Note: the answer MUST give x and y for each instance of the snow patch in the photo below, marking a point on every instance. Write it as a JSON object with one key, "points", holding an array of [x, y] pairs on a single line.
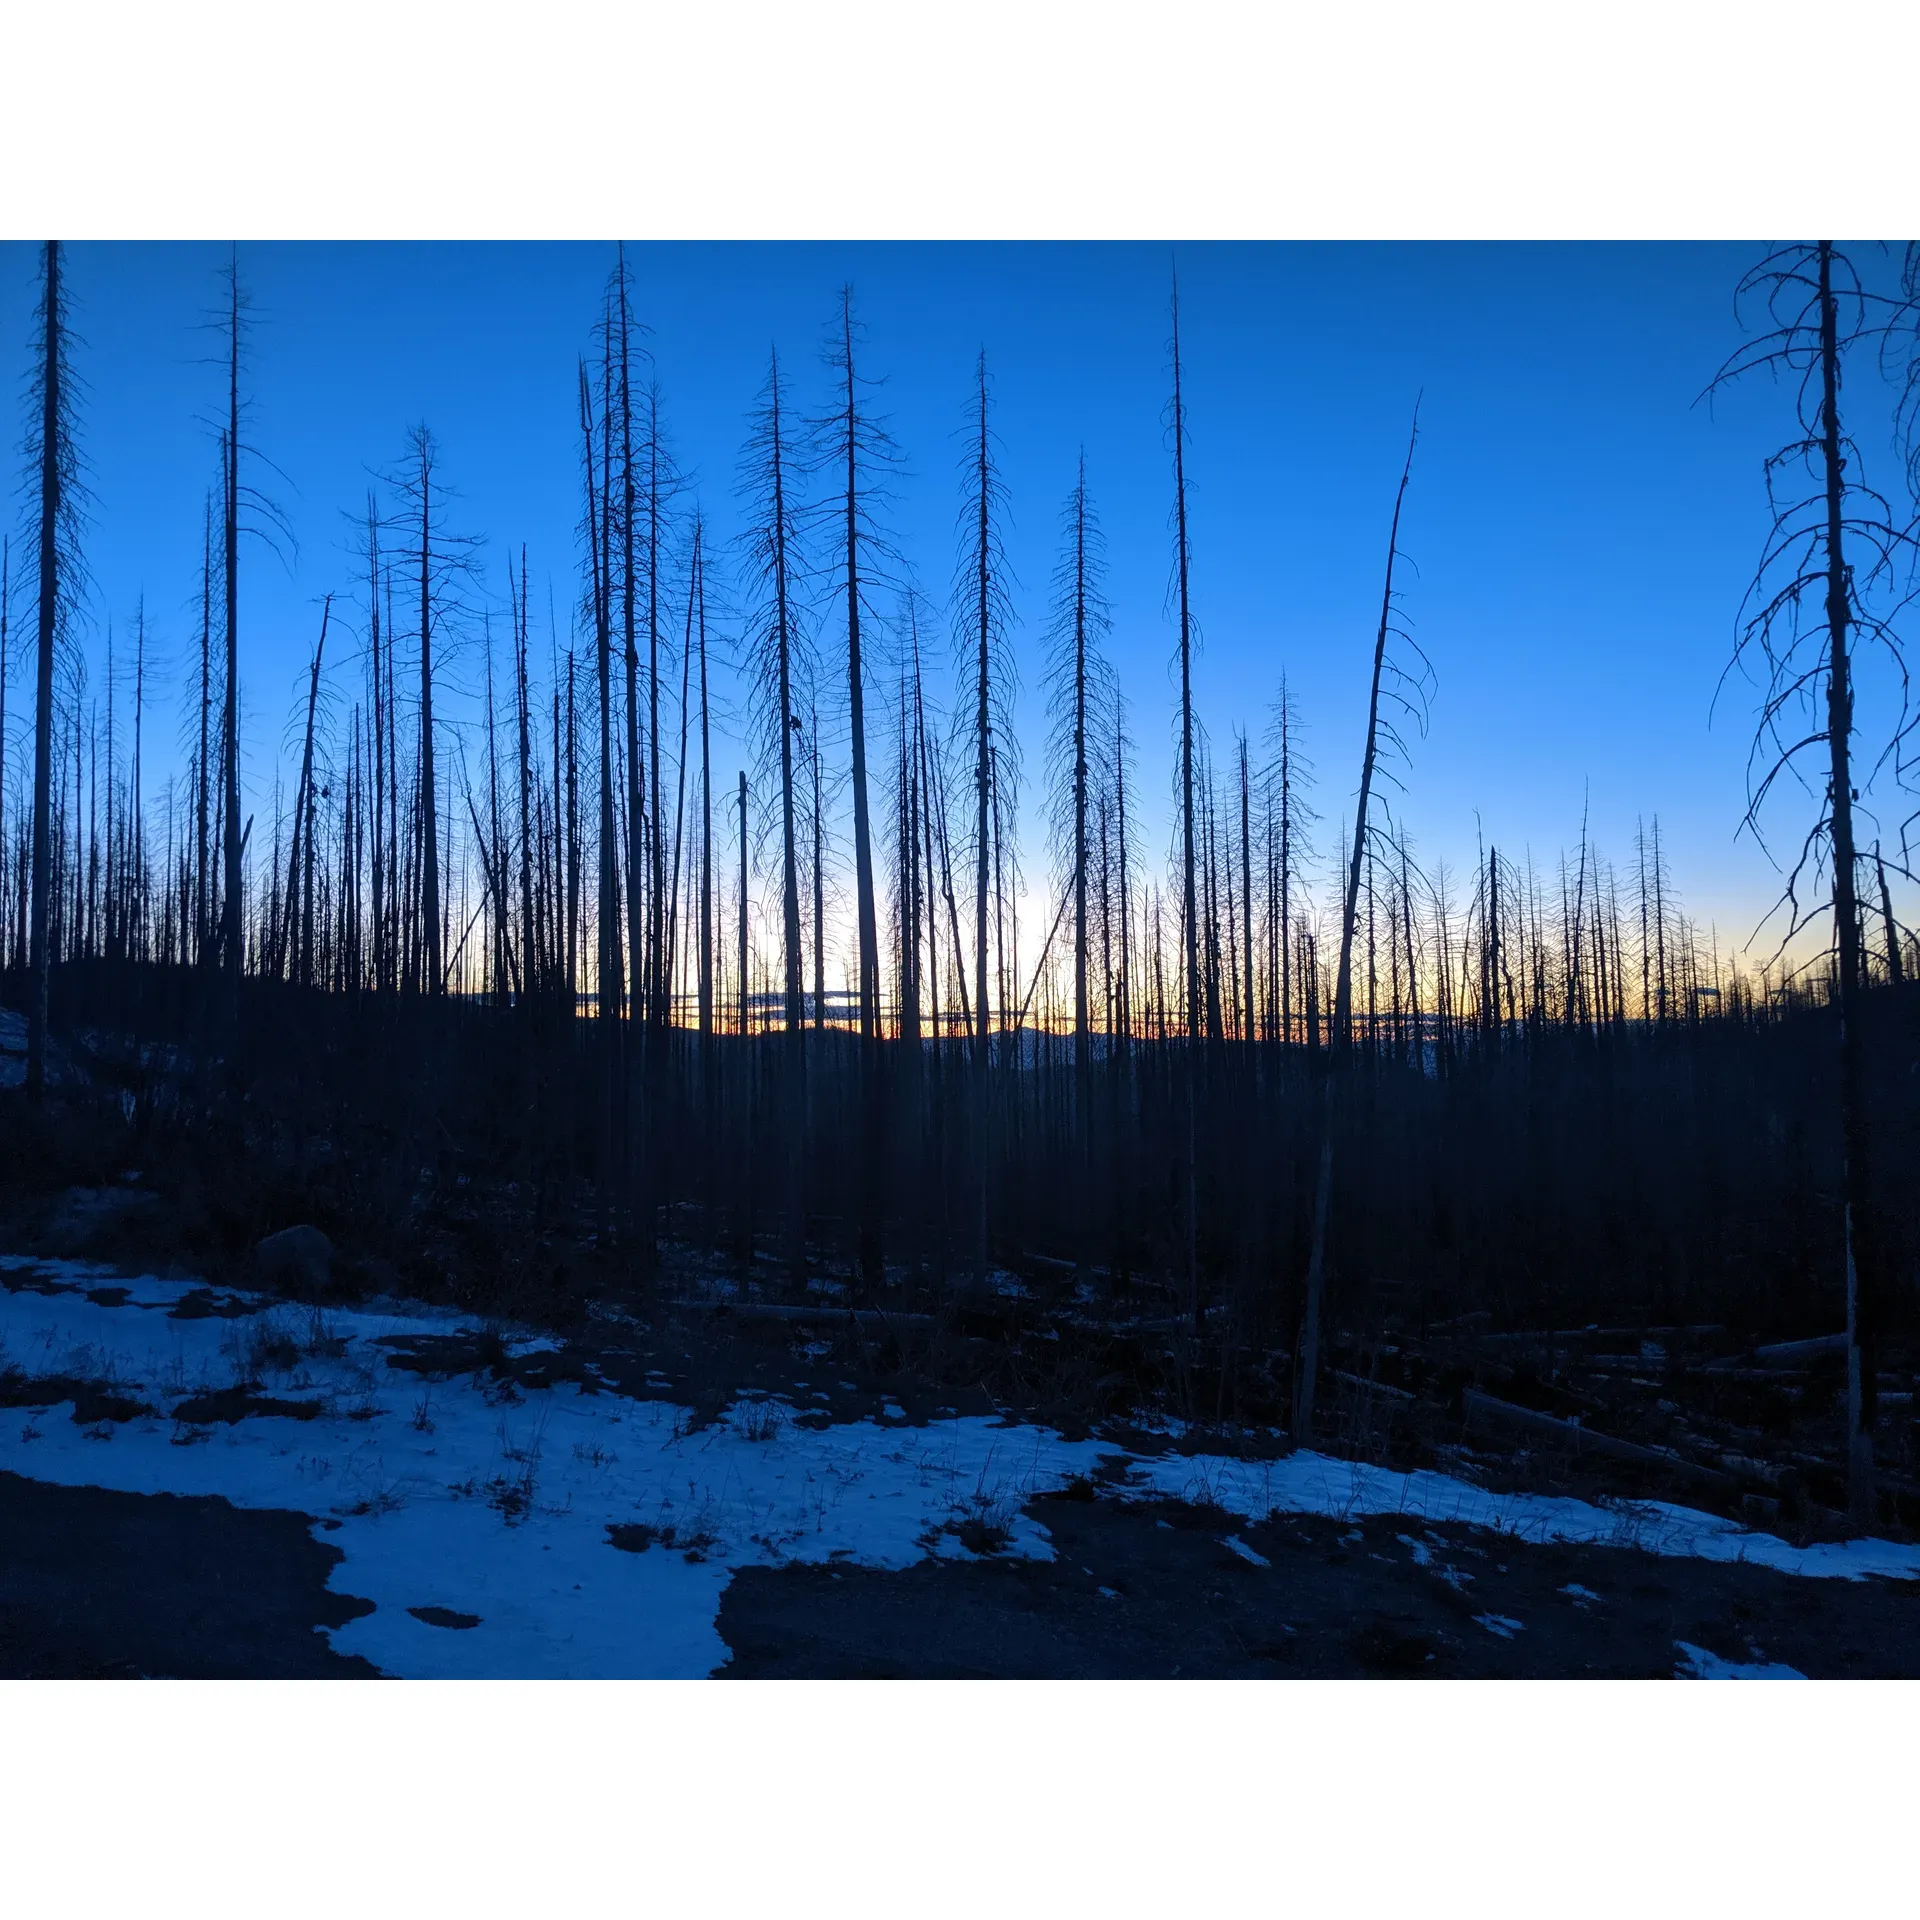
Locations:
{"points": [[472, 1496], [1312, 1483], [1696, 1663]]}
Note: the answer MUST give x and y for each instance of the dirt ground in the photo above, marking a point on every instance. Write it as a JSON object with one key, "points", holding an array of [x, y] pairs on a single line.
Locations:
{"points": [[112, 1586], [1153, 1590], [104, 1585]]}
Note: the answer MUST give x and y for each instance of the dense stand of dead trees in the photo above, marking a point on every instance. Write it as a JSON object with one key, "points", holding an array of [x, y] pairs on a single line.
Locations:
{"points": [[1196, 1079]]}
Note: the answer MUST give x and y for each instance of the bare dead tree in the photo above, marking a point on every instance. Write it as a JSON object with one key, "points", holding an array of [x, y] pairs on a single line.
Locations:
{"points": [[1307, 1366], [524, 770], [53, 459], [1182, 570], [849, 444], [607, 971], [699, 599], [1806, 625], [299, 874], [982, 616], [230, 952], [1080, 692], [780, 660], [137, 903], [1292, 835], [439, 564]]}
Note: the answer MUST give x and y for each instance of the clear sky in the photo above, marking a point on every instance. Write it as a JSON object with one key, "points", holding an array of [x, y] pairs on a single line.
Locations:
{"points": [[1581, 532]]}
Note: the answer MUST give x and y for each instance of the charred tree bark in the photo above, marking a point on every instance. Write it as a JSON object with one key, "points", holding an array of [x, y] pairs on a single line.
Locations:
{"points": [[1340, 1038], [607, 916], [983, 791], [52, 479], [851, 429], [299, 871], [230, 938], [1861, 1317]]}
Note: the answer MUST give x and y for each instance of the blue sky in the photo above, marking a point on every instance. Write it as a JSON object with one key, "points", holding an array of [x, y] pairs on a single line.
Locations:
{"points": [[1581, 531]]}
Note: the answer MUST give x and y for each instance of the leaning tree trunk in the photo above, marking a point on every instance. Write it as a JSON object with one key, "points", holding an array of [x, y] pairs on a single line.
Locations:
{"points": [[1339, 1037], [299, 870]]}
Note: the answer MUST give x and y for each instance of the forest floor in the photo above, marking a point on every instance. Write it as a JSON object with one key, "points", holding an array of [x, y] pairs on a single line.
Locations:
{"points": [[203, 1479]]}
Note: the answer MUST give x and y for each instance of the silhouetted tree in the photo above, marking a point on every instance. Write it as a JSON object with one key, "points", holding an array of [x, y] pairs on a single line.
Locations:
{"points": [[850, 446], [1828, 548], [1341, 1037], [53, 458], [780, 662], [1080, 694], [982, 614]]}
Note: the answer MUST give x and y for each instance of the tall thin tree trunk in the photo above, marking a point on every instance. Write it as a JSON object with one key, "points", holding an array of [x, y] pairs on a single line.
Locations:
{"points": [[1340, 1037], [1190, 1175], [743, 904], [983, 787], [52, 477], [6, 605], [784, 641], [429, 795], [706, 807], [1246, 902], [819, 877], [1861, 1314], [299, 873], [139, 903], [1889, 925], [607, 971], [640, 947], [231, 952], [1082, 1036], [873, 1123], [528, 968]]}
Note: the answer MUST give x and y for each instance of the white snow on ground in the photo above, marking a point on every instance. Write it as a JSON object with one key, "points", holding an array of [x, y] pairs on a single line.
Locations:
{"points": [[482, 1499], [1696, 1663], [1312, 1483], [1500, 1625], [458, 1495]]}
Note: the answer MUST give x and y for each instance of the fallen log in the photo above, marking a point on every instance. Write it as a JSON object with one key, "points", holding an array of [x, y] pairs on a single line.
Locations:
{"points": [[1788, 1353], [1580, 1439], [1371, 1386], [866, 1319], [1570, 1336], [1172, 1323], [1783, 1355], [1761, 1473]]}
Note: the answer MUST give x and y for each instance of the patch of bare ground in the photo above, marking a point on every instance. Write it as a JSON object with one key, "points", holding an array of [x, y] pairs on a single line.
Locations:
{"points": [[1164, 1589], [95, 1584]]}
